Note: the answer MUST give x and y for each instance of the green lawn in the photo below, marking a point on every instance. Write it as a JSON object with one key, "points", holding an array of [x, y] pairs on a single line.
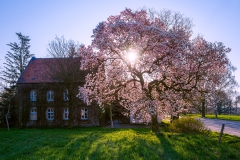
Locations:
{"points": [[224, 117], [99, 143]]}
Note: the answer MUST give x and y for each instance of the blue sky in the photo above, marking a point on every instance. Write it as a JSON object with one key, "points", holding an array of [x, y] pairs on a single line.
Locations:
{"points": [[42, 20]]}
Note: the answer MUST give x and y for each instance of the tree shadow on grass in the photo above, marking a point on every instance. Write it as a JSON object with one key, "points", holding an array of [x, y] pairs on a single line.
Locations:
{"points": [[197, 146], [177, 146], [129, 144], [98, 143], [87, 143]]}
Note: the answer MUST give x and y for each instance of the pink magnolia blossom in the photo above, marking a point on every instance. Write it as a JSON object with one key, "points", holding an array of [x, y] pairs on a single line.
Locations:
{"points": [[169, 66]]}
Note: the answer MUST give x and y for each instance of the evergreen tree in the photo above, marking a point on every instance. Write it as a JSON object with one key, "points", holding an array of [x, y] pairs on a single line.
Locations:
{"points": [[16, 61]]}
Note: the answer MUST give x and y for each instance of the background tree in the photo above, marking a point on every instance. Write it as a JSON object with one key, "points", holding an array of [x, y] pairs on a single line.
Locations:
{"points": [[1, 82], [149, 68], [66, 68], [1, 107], [62, 48], [236, 102], [220, 99], [171, 19], [229, 85], [16, 61]]}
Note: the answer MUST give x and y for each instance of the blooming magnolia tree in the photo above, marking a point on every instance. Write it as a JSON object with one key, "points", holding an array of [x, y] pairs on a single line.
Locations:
{"points": [[148, 67]]}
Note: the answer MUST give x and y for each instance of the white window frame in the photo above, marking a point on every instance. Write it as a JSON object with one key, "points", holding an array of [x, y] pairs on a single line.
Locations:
{"points": [[50, 114], [65, 95], [66, 114], [84, 113], [33, 114], [33, 95], [50, 96]]}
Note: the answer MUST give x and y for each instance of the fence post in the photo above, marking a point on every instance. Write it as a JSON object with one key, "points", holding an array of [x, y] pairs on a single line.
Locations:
{"points": [[221, 133]]}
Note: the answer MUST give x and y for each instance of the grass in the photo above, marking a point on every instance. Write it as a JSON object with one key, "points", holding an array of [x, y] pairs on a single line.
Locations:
{"points": [[223, 117], [100, 143]]}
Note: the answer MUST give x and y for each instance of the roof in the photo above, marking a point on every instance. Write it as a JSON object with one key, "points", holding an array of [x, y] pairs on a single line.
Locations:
{"points": [[39, 70]]}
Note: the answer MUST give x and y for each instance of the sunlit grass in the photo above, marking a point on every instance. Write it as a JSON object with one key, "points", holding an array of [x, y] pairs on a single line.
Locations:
{"points": [[99, 143], [225, 117], [212, 116]]}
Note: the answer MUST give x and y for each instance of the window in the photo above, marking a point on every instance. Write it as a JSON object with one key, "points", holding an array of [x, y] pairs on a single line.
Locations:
{"points": [[50, 114], [66, 114], [84, 113], [65, 95], [33, 114], [33, 95], [50, 96], [82, 97]]}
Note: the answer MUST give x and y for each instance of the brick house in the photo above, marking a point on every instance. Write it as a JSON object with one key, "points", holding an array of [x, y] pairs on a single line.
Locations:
{"points": [[47, 95]]}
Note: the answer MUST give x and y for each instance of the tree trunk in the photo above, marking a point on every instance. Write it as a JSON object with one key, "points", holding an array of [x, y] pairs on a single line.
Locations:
{"points": [[203, 108], [7, 115], [155, 126], [101, 118], [7, 121], [174, 117], [216, 113], [230, 106], [111, 120]]}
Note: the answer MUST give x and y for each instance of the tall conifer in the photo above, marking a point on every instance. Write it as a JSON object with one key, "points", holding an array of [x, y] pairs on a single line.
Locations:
{"points": [[16, 61]]}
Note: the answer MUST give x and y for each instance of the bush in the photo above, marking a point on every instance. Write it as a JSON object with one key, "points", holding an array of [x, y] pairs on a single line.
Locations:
{"points": [[188, 125]]}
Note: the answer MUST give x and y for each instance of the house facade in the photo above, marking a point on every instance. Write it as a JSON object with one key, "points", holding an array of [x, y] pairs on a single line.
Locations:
{"points": [[47, 95]]}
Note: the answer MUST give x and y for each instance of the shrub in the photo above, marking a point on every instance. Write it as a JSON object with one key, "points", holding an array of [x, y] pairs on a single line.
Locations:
{"points": [[188, 125]]}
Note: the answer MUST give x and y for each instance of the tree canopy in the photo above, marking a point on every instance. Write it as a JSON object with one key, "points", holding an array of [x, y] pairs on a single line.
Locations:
{"points": [[148, 66], [62, 48]]}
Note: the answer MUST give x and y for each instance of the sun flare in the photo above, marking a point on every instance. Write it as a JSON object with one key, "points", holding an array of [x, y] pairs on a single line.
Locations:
{"points": [[132, 56]]}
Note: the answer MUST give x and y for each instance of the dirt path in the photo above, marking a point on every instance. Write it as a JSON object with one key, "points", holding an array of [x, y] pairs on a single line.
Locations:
{"points": [[231, 127]]}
